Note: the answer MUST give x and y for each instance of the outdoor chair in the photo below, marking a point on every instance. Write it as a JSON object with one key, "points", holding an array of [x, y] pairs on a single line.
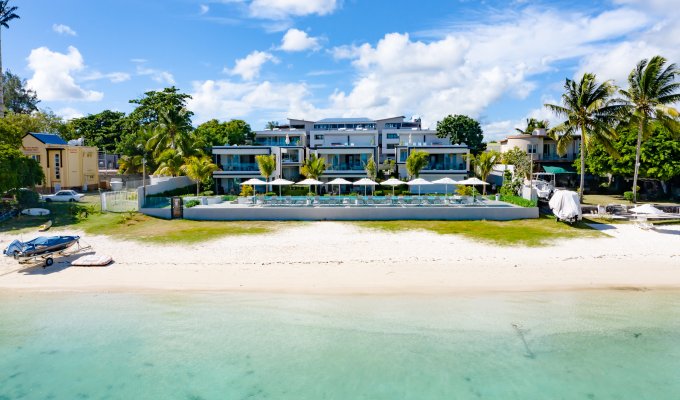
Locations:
{"points": [[437, 201]]}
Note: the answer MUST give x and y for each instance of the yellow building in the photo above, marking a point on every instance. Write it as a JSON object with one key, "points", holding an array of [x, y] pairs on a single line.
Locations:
{"points": [[65, 166]]}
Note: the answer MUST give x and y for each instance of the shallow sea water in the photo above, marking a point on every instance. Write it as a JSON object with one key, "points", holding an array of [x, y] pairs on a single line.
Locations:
{"points": [[555, 345]]}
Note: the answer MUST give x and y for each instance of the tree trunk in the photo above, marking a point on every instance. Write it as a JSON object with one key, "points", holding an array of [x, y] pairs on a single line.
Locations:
{"points": [[637, 159], [198, 188], [2, 82], [582, 185]]}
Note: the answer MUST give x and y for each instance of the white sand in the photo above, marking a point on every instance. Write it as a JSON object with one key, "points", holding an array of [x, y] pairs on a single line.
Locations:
{"points": [[331, 257]]}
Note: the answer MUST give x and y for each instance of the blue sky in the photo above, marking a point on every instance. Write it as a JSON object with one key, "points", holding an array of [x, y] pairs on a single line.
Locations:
{"points": [[262, 60]]}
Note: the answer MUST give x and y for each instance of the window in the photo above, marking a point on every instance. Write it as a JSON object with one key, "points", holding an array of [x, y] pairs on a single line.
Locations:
{"points": [[392, 125], [403, 155], [318, 137], [36, 158], [393, 136], [391, 146], [531, 148], [57, 166]]}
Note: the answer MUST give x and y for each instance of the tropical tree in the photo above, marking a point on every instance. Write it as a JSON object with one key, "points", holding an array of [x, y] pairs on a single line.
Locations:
{"points": [[17, 97], [415, 162], [532, 125], [371, 169], [170, 163], [266, 165], [313, 167], [171, 133], [271, 125], [462, 129], [17, 170], [652, 90], [483, 164], [199, 169], [102, 130], [7, 14], [588, 109], [521, 162], [131, 164]]}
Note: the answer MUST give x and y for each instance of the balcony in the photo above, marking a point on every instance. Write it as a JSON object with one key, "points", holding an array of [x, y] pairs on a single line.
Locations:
{"points": [[240, 167], [345, 167], [293, 159], [445, 166], [278, 141]]}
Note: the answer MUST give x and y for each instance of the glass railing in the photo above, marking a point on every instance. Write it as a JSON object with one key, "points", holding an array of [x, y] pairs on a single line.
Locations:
{"points": [[445, 167], [279, 143], [156, 202], [290, 160], [239, 167], [345, 167]]}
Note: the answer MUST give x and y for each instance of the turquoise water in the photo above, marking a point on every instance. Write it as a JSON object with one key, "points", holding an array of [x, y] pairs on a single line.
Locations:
{"points": [[569, 345]]}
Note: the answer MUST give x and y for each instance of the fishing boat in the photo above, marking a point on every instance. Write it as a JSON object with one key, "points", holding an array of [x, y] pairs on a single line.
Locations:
{"points": [[41, 247]]}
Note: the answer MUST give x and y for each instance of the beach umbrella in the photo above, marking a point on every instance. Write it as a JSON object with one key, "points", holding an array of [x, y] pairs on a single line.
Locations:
{"points": [[281, 182], [646, 209], [473, 182], [446, 182], [365, 182], [254, 182], [309, 182], [339, 181], [418, 182], [392, 182]]}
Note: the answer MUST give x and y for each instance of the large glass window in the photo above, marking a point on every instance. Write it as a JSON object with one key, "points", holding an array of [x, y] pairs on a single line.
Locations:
{"points": [[393, 136]]}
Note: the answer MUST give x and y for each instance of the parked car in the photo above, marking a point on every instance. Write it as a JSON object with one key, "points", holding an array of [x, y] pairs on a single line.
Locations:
{"points": [[63, 195]]}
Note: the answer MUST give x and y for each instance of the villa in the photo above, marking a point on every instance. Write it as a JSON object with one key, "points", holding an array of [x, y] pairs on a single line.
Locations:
{"points": [[346, 144]]}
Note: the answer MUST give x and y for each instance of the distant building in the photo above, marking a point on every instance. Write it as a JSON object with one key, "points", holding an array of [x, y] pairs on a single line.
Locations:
{"points": [[543, 150], [346, 144], [66, 166]]}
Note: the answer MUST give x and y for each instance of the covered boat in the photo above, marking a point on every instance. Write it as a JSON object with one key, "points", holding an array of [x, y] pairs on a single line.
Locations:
{"points": [[40, 246], [566, 205]]}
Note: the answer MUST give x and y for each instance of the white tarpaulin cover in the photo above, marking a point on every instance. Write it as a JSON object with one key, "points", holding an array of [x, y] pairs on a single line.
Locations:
{"points": [[566, 205]]}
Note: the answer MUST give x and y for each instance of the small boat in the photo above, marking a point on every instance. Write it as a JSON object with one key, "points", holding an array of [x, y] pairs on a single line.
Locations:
{"points": [[35, 211], [93, 261], [47, 225], [40, 246]]}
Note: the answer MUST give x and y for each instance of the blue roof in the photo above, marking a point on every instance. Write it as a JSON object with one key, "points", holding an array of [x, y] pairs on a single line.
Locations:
{"points": [[49, 138], [345, 120]]}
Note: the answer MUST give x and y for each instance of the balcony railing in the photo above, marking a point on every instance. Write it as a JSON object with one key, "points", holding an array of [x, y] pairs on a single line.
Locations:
{"points": [[345, 167], [444, 167], [235, 167], [290, 160], [278, 142]]}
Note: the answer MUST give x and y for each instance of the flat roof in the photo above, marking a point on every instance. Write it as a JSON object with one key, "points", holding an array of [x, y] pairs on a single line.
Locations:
{"points": [[362, 120]]}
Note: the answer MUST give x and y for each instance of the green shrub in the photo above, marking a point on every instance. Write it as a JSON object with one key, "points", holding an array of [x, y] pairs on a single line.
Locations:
{"points": [[379, 193], [191, 203], [27, 198], [187, 190], [628, 196], [519, 201], [246, 190], [270, 194], [208, 193], [464, 190], [229, 198]]}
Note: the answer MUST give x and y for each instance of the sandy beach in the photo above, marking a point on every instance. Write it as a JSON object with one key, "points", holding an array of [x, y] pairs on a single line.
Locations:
{"points": [[330, 257]]}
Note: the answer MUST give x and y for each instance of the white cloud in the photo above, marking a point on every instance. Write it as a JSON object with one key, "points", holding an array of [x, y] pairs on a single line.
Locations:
{"points": [[115, 77], [283, 9], [203, 9], [52, 75], [63, 29], [297, 40], [223, 99], [249, 67], [156, 75], [69, 113]]}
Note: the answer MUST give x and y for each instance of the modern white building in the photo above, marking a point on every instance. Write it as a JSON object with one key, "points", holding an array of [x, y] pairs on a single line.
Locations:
{"points": [[347, 144]]}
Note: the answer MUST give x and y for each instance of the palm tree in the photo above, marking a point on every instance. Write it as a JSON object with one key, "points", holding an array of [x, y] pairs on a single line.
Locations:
{"points": [[271, 125], [199, 169], [589, 110], [170, 163], [130, 164], [483, 164], [266, 165], [170, 132], [651, 91], [7, 14], [415, 162], [313, 167]]}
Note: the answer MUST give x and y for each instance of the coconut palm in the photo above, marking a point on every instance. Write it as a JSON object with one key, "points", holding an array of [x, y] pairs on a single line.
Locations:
{"points": [[266, 165], [651, 90], [170, 163], [589, 110], [199, 169], [371, 168], [415, 162], [532, 125], [130, 164], [7, 14], [171, 132], [483, 164], [313, 167]]}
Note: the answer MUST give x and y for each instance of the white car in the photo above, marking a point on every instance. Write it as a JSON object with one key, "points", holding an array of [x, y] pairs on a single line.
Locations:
{"points": [[63, 195]]}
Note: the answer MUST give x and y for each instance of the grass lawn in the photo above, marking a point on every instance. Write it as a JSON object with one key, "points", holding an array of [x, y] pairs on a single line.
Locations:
{"points": [[132, 226], [528, 232]]}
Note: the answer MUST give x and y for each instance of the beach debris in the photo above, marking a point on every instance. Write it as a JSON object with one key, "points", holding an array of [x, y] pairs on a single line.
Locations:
{"points": [[520, 333]]}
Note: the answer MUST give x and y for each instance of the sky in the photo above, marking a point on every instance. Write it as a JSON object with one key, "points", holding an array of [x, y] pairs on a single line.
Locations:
{"points": [[264, 60]]}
